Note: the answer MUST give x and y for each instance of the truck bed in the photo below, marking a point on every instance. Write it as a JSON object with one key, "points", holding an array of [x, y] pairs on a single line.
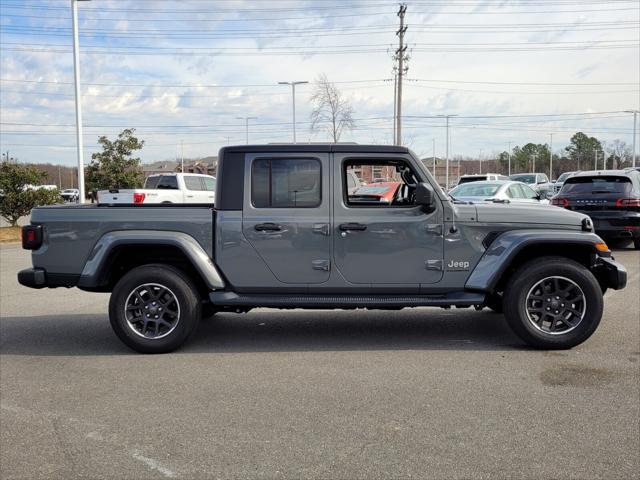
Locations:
{"points": [[72, 231]]}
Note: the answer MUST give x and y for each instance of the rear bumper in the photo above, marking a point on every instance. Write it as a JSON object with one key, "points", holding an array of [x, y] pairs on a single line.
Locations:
{"points": [[39, 278], [610, 273], [613, 224]]}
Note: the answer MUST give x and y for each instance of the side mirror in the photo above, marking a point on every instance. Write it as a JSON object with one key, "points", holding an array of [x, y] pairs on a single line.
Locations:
{"points": [[424, 195]]}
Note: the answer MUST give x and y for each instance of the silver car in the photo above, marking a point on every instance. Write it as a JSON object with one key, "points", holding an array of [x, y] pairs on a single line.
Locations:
{"points": [[499, 191]]}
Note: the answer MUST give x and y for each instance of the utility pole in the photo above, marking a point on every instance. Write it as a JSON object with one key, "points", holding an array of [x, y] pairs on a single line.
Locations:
{"points": [[401, 57], [76, 71], [635, 135], [395, 101], [293, 96], [246, 125], [595, 158], [551, 156], [59, 177], [480, 158], [182, 155], [509, 160], [446, 117]]}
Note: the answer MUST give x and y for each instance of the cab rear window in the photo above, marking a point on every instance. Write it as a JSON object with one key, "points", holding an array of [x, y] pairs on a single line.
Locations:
{"points": [[596, 185]]}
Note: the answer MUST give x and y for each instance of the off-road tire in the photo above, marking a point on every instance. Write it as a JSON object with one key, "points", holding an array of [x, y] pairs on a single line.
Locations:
{"points": [[187, 303], [530, 274]]}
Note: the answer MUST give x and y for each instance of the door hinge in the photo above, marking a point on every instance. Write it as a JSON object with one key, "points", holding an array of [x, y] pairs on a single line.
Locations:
{"points": [[433, 265], [320, 265], [321, 228]]}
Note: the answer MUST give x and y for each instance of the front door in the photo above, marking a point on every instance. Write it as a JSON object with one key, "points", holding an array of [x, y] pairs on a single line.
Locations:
{"points": [[286, 215], [380, 235]]}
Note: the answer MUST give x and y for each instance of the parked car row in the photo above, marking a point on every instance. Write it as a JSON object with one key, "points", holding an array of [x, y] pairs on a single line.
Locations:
{"points": [[611, 198]]}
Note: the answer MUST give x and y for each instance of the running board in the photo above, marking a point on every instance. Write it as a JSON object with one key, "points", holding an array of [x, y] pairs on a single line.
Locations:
{"points": [[458, 299]]}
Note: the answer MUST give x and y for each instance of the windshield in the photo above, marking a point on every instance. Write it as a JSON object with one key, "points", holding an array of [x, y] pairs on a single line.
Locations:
{"points": [[596, 185], [475, 190], [564, 176], [524, 178], [69, 191]]}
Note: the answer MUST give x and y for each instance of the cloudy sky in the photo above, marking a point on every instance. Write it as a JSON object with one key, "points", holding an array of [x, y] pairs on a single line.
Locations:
{"points": [[183, 71]]}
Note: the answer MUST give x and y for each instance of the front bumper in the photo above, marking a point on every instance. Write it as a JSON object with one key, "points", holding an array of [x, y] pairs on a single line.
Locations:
{"points": [[610, 273]]}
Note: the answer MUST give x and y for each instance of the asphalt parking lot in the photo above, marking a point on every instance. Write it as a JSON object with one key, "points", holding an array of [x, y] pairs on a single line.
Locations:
{"points": [[423, 393]]}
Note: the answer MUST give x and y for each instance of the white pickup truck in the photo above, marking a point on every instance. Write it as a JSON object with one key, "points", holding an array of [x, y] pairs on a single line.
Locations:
{"points": [[166, 188]]}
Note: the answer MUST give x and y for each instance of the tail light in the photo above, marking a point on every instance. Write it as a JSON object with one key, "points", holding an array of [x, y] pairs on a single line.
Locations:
{"points": [[560, 202], [628, 202], [31, 237], [139, 197]]}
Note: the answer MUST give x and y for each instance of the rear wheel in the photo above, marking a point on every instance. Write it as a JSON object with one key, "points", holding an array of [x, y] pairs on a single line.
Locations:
{"points": [[154, 308], [553, 303]]}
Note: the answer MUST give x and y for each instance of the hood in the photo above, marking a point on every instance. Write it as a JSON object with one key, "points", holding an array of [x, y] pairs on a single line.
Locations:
{"points": [[537, 214]]}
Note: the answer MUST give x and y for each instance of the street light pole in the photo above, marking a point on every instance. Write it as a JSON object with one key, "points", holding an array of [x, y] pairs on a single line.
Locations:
{"points": [[246, 126], [293, 96], [76, 70], [480, 158], [509, 160]]}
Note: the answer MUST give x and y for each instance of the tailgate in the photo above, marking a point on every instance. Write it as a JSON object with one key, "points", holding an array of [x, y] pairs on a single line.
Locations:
{"points": [[115, 196]]}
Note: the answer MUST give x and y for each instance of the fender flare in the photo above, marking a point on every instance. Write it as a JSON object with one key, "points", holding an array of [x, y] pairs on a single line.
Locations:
{"points": [[497, 258], [96, 263]]}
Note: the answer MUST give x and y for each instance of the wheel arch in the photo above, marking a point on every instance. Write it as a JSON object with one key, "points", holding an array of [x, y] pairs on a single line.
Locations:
{"points": [[512, 249], [118, 252]]}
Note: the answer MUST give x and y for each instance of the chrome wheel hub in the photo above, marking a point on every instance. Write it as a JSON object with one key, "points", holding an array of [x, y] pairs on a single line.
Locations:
{"points": [[152, 311], [555, 305]]}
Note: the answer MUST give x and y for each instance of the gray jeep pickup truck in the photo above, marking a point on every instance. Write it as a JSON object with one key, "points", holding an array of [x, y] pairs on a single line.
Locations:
{"points": [[287, 232]]}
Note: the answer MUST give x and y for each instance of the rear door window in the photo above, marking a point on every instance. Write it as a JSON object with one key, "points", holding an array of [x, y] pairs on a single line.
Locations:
{"points": [[152, 182], [168, 182], [193, 183], [285, 183]]}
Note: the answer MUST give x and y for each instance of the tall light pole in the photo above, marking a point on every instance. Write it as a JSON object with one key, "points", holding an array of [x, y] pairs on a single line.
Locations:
{"points": [[635, 123], [551, 156], [480, 157], [509, 160], [76, 71], [246, 126], [446, 175], [293, 96]]}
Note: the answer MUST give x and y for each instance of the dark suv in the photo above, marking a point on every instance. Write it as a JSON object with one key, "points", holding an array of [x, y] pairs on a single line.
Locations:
{"points": [[610, 197]]}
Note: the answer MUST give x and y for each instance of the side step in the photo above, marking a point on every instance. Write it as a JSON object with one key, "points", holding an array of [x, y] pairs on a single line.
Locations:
{"points": [[232, 299]]}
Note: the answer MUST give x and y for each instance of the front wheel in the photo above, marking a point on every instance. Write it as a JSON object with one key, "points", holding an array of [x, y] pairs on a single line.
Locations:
{"points": [[553, 303], [154, 308]]}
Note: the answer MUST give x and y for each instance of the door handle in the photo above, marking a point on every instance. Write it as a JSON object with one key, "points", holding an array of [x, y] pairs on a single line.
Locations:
{"points": [[267, 227], [345, 227]]}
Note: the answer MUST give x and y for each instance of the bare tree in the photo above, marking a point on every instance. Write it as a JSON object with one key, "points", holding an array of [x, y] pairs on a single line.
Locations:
{"points": [[331, 111]]}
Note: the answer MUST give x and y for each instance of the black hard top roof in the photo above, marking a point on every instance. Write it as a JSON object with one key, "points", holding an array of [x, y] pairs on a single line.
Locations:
{"points": [[315, 147]]}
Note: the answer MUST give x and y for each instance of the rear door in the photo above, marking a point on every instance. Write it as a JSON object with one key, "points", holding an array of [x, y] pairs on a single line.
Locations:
{"points": [[286, 214]]}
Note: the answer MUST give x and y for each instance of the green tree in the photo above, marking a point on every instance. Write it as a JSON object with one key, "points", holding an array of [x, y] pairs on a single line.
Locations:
{"points": [[531, 157], [582, 151], [115, 167], [17, 195]]}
